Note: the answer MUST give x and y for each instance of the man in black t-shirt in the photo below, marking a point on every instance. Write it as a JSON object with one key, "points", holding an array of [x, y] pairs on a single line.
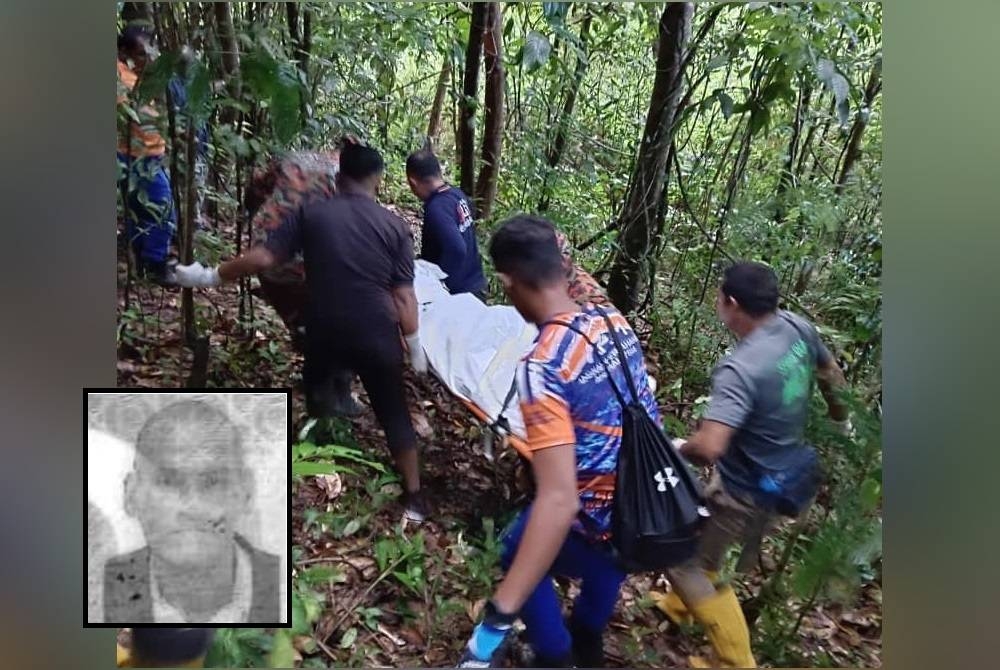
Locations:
{"points": [[359, 274]]}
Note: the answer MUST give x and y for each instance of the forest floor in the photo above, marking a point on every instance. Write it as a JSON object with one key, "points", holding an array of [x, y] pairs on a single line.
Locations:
{"points": [[386, 594]]}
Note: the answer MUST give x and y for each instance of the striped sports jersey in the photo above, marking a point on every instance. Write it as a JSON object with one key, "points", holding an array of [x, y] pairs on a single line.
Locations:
{"points": [[566, 398]]}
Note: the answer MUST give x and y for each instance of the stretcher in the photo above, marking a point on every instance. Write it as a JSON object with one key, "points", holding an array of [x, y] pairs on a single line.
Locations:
{"points": [[474, 350]]}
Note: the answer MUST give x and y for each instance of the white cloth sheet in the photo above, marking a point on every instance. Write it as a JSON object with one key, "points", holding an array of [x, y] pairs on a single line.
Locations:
{"points": [[473, 348]]}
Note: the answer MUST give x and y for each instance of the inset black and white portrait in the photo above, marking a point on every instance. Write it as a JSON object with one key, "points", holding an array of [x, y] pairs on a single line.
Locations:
{"points": [[187, 508]]}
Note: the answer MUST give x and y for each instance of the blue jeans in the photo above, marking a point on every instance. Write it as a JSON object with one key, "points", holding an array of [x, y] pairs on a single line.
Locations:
{"points": [[149, 208], [578, 558]]}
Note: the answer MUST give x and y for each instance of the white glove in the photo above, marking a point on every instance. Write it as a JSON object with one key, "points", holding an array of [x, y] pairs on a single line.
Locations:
{"points": [[418, 359], [196, 275], [844, 427], [678, 442]]}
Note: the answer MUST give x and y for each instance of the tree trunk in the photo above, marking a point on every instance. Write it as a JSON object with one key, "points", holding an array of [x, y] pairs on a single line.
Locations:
{"points": [[299, 32], [559, 144], [434, 124], [788, 177], [637, 221], [858, 127], [187, 231], [470, 90], [293, 23], [486, 186], [138, 12], [555, 151], [306, 47], [230, 55]]}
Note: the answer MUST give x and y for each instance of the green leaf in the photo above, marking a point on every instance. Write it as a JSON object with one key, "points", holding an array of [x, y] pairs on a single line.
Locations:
{"points": [[725, 103], [536, 51], [313, 609], [199, 91], [300, 623], [315, 468], [349, 637], [717, 61], [322, 575], [282, 652], [508, 26], [156, 76], [871, 493], [278, 83], [352, 527], [760, 118]]}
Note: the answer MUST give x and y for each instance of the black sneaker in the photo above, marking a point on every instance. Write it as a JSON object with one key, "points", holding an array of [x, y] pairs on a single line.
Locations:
{"points": [[588, 647], [415, 508], [157, 272]]}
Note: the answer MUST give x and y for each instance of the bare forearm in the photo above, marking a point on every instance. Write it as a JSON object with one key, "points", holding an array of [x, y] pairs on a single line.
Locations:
{"points": [[548, 524], [254, 260], [708, 443], [406, 307], [832, 384], [695, 453]]}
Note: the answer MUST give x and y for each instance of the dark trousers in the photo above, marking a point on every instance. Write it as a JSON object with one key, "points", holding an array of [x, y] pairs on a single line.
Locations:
{"points": [[333, 354]]}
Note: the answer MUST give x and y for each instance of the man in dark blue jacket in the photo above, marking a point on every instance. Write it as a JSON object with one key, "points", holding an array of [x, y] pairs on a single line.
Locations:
{"points": [[449, 235]]}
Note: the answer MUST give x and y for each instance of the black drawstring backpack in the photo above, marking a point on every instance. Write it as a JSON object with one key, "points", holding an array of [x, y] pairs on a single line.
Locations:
{"points": [[658, 507]]}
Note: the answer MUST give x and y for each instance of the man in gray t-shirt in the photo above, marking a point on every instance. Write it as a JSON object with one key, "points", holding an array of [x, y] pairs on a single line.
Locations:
{"points": [[753, 426], [762, 391]]}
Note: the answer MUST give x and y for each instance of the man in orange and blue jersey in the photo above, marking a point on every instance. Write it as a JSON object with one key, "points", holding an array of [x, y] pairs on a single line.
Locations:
{"points": [[574, 427]]}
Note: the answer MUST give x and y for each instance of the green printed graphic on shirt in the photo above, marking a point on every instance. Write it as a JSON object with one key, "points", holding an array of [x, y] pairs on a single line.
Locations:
{"points": [[794, 369]]}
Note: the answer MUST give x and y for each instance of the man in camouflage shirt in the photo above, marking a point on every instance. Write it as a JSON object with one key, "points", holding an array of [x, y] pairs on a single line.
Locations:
{"points": [[583, 288], [276, 192]]}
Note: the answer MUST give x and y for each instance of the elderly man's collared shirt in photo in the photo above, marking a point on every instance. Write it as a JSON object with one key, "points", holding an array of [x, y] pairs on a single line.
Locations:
{"points": [[236, 610]]}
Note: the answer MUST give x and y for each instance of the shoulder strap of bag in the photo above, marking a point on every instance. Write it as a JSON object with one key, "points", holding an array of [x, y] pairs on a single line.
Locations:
{"points": [[621, 353], [501, 420], [607, 370]]}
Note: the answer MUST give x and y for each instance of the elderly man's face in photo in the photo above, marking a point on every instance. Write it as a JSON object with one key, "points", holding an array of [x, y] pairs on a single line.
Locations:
{"points": [[189, 485]]}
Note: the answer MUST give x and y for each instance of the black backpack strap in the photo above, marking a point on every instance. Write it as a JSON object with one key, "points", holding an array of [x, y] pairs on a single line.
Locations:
{"points": [[621, 353], [607, 370], [501, 420]]}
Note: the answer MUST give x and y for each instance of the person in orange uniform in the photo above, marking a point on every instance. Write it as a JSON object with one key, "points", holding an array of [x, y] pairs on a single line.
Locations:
{"points": [[147, 198]]}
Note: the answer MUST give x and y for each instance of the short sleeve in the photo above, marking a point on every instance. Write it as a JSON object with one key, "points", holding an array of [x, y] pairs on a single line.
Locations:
{"points": [[286, 240], [403, 260], [823, 355], [544, 406], [732, 399], [809, 332]]}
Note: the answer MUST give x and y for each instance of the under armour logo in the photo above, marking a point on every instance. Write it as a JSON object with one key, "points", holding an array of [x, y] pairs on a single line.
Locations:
{"points": [[667, 475]]}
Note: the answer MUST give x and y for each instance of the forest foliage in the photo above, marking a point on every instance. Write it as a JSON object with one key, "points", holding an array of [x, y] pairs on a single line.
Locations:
{"points": [[760, 140]]}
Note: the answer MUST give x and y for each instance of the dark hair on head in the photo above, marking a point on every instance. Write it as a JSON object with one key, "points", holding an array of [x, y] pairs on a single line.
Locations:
{"points": [[423, 164], [359, 161], [525, 248], [129, 38], [753, 285], [180, 419]]}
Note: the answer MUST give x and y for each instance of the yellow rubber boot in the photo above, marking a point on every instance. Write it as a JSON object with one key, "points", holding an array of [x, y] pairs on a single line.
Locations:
{"points": [[726, 628], [670, 603]]}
